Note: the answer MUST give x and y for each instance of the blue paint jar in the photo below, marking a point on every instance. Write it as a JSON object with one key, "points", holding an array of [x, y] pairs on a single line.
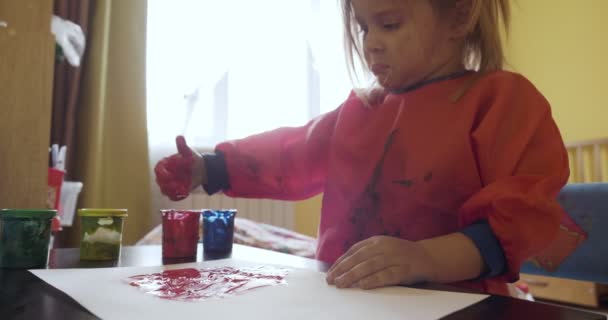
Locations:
{"points": [[218, 231]]}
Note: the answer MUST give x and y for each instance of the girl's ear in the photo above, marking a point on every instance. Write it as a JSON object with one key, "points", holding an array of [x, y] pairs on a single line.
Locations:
{"points": [[463, 17]]}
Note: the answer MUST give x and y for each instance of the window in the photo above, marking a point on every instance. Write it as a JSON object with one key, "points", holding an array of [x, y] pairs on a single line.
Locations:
{"points": [[227, 69]]}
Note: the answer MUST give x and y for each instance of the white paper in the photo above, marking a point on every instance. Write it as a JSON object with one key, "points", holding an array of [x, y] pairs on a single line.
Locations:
{"points": [[306, 296]]}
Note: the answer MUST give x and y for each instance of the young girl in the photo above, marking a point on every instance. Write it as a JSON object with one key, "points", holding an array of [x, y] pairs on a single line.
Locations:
{"points": [[446, 171]]}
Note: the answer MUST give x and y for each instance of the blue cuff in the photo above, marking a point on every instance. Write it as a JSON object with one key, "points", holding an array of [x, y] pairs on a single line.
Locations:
{"points": [[217, 174], [489, 247]]}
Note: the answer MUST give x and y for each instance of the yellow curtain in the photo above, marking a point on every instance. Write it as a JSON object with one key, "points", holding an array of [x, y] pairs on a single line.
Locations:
{"points": [[111, 144]]}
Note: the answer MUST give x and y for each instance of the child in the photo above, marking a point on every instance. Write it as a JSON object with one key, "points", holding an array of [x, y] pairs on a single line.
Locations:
{"points": [[447, 171]]}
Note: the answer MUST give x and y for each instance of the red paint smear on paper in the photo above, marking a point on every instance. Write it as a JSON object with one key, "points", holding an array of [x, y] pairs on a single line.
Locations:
{"points": [[202, 284], [174, 173]]}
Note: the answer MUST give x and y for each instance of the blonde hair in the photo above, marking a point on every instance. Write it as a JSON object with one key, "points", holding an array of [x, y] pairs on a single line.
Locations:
{"points": [[483, 49]]}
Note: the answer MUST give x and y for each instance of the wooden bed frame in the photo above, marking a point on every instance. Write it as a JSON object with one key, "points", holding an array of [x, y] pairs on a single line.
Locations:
{"points": [[588, 160]]}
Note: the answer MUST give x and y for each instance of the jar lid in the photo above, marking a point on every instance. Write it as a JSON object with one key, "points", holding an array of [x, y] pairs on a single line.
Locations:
{"points": [[28, 213], [102, 212]]}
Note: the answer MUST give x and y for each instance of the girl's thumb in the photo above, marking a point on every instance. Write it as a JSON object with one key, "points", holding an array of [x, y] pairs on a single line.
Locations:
{"points": [[182, 147]]}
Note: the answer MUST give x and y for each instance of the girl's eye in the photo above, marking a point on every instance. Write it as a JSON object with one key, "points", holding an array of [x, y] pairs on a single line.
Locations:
{"points": [[390, 26]]}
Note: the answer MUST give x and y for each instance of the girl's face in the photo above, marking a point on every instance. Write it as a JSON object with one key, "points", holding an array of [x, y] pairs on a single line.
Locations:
{"points": [[406, 41]]}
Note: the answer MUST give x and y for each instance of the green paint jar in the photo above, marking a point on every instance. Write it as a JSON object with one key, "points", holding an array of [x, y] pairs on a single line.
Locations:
{"points": [[24, 237], [101, 233]]}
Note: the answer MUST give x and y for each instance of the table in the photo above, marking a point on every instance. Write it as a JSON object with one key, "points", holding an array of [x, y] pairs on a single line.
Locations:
{"points": [[24, 296]]}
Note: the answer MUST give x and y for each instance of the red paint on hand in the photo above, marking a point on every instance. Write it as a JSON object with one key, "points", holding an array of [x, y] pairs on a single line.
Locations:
{"points": [[174, 173], [182, 147]]}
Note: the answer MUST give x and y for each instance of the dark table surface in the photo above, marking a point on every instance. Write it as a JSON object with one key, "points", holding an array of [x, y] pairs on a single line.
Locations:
{"points": [[25, 296]]}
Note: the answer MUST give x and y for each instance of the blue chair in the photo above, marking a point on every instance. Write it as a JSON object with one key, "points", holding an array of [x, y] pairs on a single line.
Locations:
{"points": [[587, 204]]}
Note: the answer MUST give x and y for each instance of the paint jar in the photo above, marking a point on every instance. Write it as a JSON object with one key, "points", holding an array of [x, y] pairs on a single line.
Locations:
{"points": [[101, 233], [218, 231], [180, 233], [24, 237]]}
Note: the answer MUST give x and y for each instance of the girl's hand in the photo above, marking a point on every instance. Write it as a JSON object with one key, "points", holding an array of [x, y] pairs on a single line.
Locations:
{"points": [[382, 261], [178, 174]]}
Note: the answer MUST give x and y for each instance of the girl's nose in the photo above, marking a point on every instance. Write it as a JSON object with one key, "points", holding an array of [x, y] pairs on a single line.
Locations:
{"points": [[373, 44]]}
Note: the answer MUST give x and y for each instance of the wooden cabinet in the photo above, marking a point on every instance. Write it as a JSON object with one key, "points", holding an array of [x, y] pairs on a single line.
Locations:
{"points": [[27, 50]]}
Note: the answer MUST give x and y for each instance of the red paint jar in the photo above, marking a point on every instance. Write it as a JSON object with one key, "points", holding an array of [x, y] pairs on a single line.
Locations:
{"points": [[180, 233]]}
